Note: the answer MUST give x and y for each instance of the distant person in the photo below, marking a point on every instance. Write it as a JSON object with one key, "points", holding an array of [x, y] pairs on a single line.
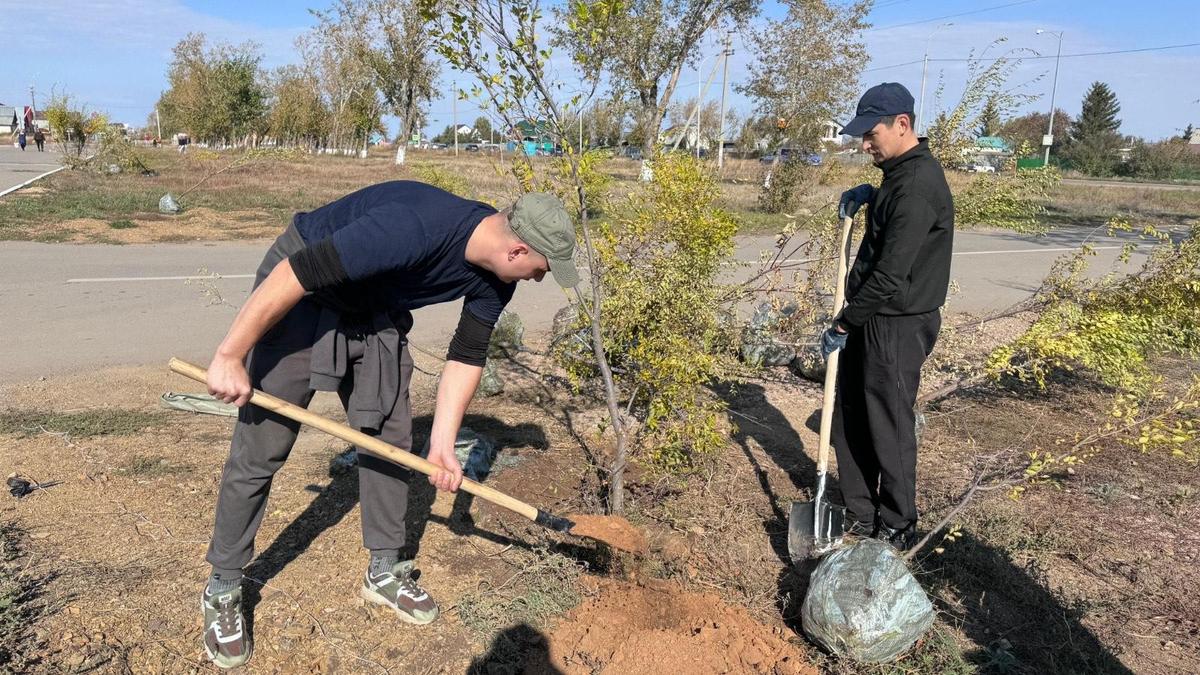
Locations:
{"points": [[21, 139], [894, 296], [39, 137]]}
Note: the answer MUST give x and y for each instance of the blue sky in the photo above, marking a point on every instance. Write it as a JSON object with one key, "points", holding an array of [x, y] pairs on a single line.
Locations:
{"points": [[113, 55]]}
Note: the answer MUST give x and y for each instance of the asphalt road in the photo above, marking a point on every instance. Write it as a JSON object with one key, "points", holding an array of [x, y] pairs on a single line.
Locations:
{"points": [[16, 167], [64, 308]]}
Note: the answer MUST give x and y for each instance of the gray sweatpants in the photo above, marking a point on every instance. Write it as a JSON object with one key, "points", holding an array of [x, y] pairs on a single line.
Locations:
{"points": [[280, 364]]}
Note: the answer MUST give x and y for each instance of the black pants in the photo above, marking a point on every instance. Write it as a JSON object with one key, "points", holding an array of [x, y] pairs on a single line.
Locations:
{"points": [[873, 419]]}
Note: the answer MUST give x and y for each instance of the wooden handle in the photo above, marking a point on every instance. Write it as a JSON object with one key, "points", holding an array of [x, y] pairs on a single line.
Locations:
{"points": [[831, 366], [364, 442]]}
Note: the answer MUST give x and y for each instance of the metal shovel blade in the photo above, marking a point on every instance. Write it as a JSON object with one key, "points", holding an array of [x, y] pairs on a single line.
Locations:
{"points": [[810, 533]]}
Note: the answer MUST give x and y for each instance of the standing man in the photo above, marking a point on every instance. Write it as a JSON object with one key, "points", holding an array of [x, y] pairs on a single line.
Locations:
{"points": [[39, 137], [330, 311], [890, 323]]}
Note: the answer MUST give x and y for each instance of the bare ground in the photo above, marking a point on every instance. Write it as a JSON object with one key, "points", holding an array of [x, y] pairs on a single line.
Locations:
{"points": [[1096, 575], [124, 537]]}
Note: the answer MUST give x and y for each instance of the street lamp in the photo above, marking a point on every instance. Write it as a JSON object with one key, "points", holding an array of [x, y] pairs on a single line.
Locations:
{"points": [[1049, 139], [925, 70]]}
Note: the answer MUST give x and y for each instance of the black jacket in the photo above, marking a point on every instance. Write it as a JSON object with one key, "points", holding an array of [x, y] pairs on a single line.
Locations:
{"points": [[903, 263]]}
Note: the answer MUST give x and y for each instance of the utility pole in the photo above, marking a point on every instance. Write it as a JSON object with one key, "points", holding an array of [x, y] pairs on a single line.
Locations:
{"points": [[1049, 140], [581, 130], [455, 110], [724, 92], [699, 101], [924, 70], [695, 114], [158, 123]]}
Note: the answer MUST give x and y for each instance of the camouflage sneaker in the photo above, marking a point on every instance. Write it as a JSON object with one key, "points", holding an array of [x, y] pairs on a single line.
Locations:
{"points": [[861, 528], [397, 589], [225, 638]]}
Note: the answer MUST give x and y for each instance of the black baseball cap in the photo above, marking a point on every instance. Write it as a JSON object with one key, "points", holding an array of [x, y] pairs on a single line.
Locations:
{"points": [[882, 100]]}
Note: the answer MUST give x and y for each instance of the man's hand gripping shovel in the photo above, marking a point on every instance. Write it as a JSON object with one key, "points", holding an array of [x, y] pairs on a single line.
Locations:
{"points": [[816, 527]]}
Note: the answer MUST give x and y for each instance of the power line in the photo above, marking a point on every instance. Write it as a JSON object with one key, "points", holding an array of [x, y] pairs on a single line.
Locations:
{"points": [[950, 16], [894, 65], [1070, 56], [1042, 56], [888, 4]]}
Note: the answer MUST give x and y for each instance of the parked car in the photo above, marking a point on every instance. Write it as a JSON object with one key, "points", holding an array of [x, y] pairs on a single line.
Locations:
{"points": [[472, 147], [790, 155], [633, 152], [983, 168]]}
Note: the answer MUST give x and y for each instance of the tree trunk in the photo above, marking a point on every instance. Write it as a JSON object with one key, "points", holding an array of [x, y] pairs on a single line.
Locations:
{"points": [[651, 119], [402, 136]]}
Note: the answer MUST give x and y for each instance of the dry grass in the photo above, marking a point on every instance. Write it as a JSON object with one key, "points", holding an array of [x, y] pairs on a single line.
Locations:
{"points": [[256, 200], [1086, 205]]}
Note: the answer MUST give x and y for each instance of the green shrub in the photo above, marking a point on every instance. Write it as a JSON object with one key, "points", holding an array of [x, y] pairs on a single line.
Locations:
{"points": [[1014, 199], [1109, 326], [786, 185], [443, 178], [660, 255]]}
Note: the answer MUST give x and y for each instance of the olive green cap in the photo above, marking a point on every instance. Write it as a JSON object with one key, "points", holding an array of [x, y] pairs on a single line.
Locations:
{"points": [[540, 220]]}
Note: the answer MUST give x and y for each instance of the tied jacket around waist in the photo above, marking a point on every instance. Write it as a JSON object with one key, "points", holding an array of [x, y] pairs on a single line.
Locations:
{"points": [[903, 264]]}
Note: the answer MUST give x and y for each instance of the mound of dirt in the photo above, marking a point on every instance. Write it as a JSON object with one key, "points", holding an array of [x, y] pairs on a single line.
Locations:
{"points": [[612, 530], [657, 627]]}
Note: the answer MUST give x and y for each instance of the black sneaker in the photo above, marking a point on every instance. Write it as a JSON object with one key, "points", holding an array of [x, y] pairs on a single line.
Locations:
{"points": [[398, 590], [902, 539], [225, 638]]}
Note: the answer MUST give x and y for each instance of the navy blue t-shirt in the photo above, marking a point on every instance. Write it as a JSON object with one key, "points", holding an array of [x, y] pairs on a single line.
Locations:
{"points": [[397, 246]]}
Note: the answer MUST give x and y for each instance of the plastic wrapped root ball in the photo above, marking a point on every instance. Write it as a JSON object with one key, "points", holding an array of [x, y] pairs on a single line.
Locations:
{"points": [[863, 604]]}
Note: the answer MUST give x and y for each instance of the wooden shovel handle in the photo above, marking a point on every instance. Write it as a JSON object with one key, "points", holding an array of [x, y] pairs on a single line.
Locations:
{"points": [[371, 444], [831, 366]]}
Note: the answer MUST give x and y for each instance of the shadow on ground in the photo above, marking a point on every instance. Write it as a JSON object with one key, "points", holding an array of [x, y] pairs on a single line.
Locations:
{"points": [[1016, 623], [335, 500], [517, 649]]}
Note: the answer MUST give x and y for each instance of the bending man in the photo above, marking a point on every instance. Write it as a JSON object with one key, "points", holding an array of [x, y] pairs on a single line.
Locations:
{"points": [[330, 311]]}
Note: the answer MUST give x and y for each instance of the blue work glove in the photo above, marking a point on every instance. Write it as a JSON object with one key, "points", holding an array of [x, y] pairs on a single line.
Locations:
{"points": [[854, 198], [832, 340]]}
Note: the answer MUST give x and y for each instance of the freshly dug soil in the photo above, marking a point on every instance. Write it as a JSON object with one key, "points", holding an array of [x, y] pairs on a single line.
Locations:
{"points": [[612, 530], [657, 627]]}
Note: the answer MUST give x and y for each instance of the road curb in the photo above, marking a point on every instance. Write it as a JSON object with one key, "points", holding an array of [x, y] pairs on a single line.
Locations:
{"points": [[31, 180]]}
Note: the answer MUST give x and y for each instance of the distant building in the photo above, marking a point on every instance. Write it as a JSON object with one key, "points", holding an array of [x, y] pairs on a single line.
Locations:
{"points": [[535, 138], [13, 117], [9, 118], [687, 136], [831, 132], [992, 145]]}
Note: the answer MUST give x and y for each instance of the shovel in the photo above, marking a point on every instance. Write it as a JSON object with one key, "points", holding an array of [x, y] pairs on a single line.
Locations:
{"points": [[817, 526], [611, 530]]}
